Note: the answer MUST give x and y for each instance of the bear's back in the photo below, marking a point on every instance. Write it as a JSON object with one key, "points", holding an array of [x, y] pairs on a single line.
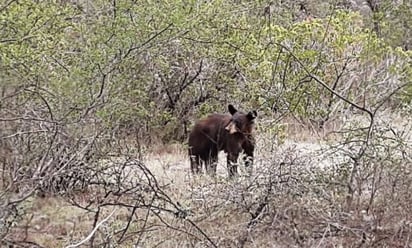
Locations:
{"points": [[208, 130], [212, 125]]}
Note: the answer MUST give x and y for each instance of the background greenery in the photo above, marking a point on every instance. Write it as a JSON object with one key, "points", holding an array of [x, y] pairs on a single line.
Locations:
{"points": [[158, 66]]}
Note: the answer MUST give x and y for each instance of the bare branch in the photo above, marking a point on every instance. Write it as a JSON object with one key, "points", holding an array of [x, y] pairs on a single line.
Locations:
{"points": [[93, 231]]}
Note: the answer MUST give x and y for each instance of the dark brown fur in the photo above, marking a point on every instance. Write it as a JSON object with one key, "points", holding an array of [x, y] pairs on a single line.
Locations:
{"points": [[230, 133]]}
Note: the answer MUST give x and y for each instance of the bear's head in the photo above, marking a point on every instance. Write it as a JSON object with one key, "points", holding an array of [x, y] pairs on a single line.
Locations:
{"points": [[240, 122]]}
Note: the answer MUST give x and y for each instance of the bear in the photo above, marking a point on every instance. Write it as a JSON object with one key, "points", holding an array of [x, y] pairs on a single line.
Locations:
{"points": [[231, 133]]}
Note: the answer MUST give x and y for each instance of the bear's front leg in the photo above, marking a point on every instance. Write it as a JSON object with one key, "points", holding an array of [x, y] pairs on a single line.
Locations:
{"points": [[232, 164], [248, 148]]}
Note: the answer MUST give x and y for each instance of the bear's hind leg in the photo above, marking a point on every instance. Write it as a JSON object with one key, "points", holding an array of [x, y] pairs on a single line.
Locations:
{"points": [[195, 164], [211, 162], [211, 166]]}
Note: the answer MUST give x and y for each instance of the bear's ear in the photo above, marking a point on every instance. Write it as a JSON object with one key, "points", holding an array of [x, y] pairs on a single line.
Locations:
{"points": [[252, 115], [232, 109]]}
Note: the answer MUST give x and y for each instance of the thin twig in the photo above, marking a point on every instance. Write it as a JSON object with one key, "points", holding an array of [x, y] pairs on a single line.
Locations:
{"points": [[93, 231]]}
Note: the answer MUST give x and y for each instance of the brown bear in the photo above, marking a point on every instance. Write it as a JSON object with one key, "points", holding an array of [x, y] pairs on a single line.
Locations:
{"points": [[230, 133]]}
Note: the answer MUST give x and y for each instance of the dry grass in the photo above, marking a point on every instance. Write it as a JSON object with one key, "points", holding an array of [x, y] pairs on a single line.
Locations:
{"points": [[296, 198]]}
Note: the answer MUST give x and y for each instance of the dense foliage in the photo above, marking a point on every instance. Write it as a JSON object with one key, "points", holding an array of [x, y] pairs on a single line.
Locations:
{"points": [[158, 66]]}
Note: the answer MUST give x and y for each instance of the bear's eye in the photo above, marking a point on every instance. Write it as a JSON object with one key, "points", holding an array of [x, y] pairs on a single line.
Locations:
{"points": [[237, 123]]}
